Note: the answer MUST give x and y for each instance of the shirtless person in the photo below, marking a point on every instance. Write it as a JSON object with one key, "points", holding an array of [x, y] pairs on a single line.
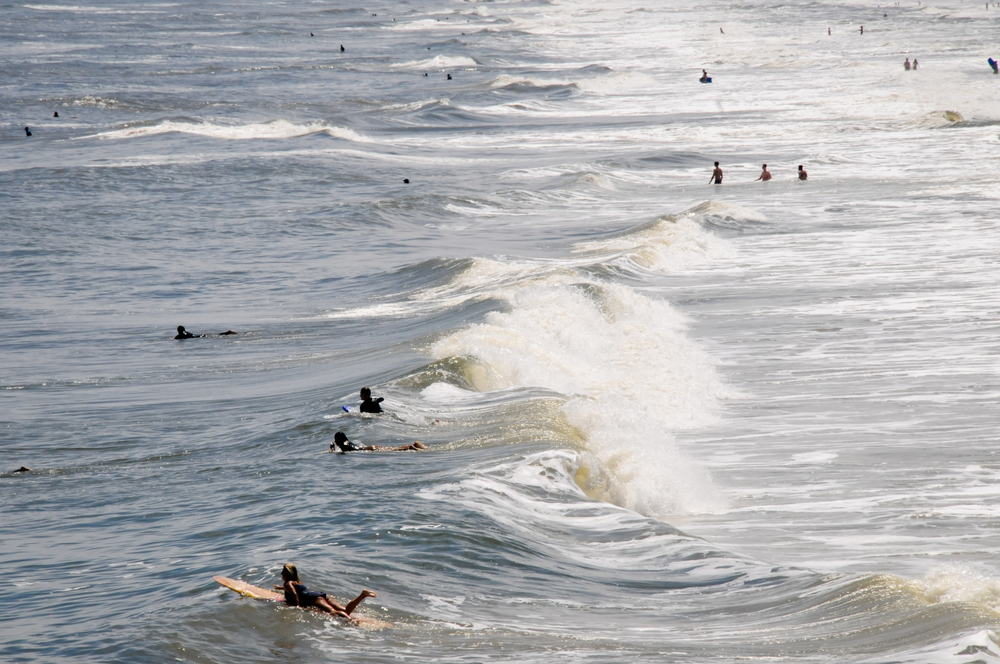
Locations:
{"points": [[340, 442], [716, 175], [802, 173], [764, 175]]}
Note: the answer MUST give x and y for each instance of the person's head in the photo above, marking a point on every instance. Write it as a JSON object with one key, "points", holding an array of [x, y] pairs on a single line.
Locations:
{"points": [[290, 573], [716, 164], [800, 167], [764, 167], [340, 438], [180, 329], [366, 393]]}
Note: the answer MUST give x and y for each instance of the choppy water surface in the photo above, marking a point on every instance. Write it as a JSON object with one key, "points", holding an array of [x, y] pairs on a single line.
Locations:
{"points": [[667, 421]]}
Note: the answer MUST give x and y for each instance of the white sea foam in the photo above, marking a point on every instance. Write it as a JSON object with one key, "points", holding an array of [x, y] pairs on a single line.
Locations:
{"points": [[958, 583], [630, 375], [263, 130], [439, 61]]}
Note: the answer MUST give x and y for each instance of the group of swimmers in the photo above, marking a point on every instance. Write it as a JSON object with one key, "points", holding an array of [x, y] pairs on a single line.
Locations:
{"points": [[907, 66], [765, 175], [370, 405]]}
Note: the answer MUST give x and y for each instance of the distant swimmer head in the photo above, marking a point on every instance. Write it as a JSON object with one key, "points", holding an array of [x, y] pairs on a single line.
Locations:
{"points": [[449, 77], [290, 572], [56, 114], [341, 48], [406, 180], [366, 393]]}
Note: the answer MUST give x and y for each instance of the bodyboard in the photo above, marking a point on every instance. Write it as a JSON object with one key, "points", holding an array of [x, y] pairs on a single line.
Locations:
{"points": [[256, 592]]}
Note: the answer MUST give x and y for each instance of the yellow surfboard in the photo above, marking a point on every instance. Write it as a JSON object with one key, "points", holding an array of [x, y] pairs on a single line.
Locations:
{"points": [[256, 592]]}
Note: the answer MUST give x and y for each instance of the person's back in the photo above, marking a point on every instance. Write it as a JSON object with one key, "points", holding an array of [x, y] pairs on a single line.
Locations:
{"points": [[369, 405], [802, 173], [906, 65]]}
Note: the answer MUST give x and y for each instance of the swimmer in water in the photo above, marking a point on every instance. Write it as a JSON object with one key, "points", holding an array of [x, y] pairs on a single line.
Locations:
{"points": [[56, 114], [906, 65], [296, 594], [341, 48], [369, 405], [24, 469], [344, 446], [184, 334], [27, 131], [802, 173], [764, 175], [704, 76], [716, 175], [915, 63], [993, 65]]}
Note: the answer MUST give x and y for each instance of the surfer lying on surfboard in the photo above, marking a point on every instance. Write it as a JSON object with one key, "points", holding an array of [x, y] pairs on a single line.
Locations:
{"points": [[296, 594], [341, 443]]}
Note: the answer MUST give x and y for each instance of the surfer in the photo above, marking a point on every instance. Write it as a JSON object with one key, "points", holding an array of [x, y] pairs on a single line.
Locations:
{"points": [[184, 334], [296, 594], [704, 76], [27, 131], [340, 442], [993, 65], [369, 405], [802, 173], [24, 469], [764, 175], [716, 175]]}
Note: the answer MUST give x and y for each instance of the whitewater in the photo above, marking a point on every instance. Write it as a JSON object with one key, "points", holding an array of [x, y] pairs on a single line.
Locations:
{"points": [[667, 420]]}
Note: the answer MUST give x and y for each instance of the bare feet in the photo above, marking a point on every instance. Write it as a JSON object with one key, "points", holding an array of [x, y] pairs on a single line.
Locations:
{"points": [[368, 593], [417, 445]]}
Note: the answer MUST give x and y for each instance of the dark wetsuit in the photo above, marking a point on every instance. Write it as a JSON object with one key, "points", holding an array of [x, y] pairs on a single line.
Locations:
{"points": [[371, 405], [306, 597], [187, 335], [348, 446]]}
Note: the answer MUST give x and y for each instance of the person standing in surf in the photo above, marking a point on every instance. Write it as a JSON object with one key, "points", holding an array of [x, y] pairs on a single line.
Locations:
{"points": [[802, 173], [716, 175], [296, 594], [764, 175]]}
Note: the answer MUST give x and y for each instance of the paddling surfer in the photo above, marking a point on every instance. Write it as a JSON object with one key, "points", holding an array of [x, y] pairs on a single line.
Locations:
{"points": [[184, 334], [341, 444], [369, 405], [296, 594]]}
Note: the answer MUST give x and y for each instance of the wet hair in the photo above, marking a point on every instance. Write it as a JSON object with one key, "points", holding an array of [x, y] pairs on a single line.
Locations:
{"points": [[366, 393], [800, 167], [291, 572], [716, 163], [764, 166], [180, 329], [340, 437]]}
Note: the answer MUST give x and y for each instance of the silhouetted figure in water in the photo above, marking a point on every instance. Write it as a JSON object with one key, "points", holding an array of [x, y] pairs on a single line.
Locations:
{"points": [[915, 64], [341, 444], [369, 405], [56, 114], [27, 131], [184, 334], [406, 180], [765, 175], [862, 29], [906, 65], [704, 76], [802, 173], [449, 77], [311, 34], [720, 30], [993, 65], [24, 469], [716, 175], [828, 31], [342, 48]]}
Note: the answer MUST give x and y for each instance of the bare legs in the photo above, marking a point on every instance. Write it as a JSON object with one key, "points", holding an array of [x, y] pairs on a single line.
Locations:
{"points": [[353, 604]]}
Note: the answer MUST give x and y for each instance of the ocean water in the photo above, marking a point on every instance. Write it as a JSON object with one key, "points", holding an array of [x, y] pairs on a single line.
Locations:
{"points": [[667, 420]]}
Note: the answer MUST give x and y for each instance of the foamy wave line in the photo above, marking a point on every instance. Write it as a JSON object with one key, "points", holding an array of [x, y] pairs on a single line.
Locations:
{"points": [[440, 61], [275, 129]]}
